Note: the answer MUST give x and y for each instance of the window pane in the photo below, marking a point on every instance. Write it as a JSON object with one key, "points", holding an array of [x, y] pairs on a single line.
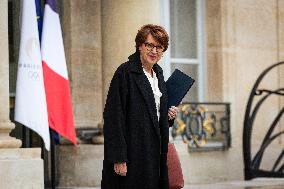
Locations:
{"points": [[183, 28], [192, 71]]}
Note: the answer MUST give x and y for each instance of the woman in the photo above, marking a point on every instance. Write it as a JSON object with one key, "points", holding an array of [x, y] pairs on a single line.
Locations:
{"points": [[136, 118]]}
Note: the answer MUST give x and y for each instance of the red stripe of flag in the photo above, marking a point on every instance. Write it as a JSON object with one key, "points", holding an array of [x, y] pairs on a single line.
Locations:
{"points": [[59, 105]]}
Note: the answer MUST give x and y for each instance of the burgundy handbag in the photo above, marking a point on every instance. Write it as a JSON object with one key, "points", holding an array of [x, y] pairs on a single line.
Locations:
{"points": [[174, 168]]}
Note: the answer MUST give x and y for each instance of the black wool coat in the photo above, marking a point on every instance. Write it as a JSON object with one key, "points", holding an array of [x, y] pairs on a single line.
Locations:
{"points": [[132, 131]]}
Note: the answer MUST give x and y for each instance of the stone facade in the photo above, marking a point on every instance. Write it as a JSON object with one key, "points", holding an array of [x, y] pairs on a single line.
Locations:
{"points": [[120, 22], [242, 39], [81, 21]]}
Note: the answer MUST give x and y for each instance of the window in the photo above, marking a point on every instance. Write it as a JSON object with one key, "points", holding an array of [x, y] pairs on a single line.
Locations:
{"points": [[184, 21]]}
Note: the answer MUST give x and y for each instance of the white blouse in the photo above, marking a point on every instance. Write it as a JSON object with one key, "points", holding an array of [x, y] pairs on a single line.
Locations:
{"points": [[155, 88]]}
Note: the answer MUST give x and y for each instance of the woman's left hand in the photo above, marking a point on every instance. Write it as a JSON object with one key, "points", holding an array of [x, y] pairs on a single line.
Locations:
{"points": [[172, 113]]}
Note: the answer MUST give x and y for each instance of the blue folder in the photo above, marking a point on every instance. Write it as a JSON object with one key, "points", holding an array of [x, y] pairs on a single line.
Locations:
{"points": [[178, 85]]}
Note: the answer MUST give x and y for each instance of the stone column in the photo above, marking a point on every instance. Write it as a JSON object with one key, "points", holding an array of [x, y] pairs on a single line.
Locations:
{"points": [[121, 20], [81, 21], [5, 124], [20, 168], [213, 51]]}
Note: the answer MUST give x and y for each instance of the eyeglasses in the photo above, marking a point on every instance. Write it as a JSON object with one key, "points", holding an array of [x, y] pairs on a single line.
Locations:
{"points": [[150, 47]]}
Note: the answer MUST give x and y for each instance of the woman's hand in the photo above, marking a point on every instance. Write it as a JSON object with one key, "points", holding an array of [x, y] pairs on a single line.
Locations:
{"points": [[172, 113], [120, 168]]}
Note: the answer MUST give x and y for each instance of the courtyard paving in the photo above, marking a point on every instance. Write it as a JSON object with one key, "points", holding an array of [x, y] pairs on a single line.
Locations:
{"points": [[262, 183]]}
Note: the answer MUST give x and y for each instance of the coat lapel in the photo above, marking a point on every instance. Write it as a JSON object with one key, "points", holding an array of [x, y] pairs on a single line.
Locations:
{"points": [[145, 89]]}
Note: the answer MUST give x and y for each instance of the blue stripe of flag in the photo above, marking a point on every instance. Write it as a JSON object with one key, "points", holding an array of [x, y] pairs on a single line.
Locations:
{"points": [[39, 17]]}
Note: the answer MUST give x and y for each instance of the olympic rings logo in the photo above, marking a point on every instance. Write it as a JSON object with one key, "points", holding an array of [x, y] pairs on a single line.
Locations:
{"points": [[34, 75]]}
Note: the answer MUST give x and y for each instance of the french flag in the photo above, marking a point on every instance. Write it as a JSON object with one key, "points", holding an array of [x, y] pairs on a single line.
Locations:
{"points": [[58, 98]]}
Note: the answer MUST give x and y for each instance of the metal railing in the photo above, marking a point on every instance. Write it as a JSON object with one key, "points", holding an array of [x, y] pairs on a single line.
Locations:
{"points": [[203, 126], [252, 163]]}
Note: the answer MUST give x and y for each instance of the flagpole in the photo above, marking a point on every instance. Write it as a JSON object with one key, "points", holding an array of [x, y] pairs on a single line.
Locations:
{"points": [[26, 137], [53, 161], [52, 147], [24, 131]]}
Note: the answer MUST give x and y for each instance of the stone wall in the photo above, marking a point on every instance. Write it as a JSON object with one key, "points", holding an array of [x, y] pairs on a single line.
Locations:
{"points": [[92, 27], [121, 20], [81, 22], [243, 38], [281, 53]]}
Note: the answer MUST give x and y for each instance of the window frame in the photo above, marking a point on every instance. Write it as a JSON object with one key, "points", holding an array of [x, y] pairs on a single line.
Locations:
{"points": [[167, 60]]}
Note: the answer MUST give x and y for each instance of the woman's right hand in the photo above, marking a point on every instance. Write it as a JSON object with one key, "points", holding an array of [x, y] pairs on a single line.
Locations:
{"points": [[120, 168]]}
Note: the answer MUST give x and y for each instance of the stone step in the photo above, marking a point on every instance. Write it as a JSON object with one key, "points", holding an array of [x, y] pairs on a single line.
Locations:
{"points": [[262, 183]]}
